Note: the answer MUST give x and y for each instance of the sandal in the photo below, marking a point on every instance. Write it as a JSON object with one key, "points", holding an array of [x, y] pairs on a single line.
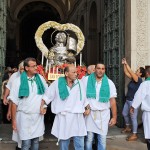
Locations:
{"points": [[132, 137], [126, 130]]}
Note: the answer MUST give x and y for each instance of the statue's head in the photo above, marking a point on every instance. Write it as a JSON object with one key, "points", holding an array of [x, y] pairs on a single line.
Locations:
{"points": [[61, 37]]}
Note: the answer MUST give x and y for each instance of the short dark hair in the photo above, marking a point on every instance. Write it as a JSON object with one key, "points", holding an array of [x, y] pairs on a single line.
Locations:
{"points": [[99, 63], [142, 71], [147, 70], [26, 61], [66, 69]]}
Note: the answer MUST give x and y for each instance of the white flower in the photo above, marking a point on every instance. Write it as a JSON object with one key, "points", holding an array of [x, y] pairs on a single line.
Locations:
{"points": [[60, 27]]}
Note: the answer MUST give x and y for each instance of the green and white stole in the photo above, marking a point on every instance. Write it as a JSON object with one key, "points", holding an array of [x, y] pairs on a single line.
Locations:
{"points": [[104, 94], [62, 87]]}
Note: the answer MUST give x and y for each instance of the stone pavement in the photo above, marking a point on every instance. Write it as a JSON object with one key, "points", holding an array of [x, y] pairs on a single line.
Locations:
{"points": [[115, 140]]}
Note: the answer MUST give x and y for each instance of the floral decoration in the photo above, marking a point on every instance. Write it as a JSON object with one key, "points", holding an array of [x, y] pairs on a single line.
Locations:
{"points": [[81, 70], [60, 27]]}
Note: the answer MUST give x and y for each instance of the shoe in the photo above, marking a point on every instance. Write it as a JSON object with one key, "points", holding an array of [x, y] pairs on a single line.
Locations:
{"points": [[17, 148], [132, 137], [126, 130], [1, 139]]}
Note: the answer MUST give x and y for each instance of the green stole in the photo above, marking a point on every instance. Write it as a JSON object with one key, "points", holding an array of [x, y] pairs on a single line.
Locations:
{"points": [[62, 87], [148, 79], [104, 94], [24, 86]]}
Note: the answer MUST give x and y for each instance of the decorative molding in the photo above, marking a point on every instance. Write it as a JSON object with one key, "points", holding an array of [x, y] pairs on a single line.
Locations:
{"points": [[141, 31], [141, 57]]}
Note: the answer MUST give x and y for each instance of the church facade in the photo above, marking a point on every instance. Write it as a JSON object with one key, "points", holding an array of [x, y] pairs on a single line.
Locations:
{"points": [[113, 29]]}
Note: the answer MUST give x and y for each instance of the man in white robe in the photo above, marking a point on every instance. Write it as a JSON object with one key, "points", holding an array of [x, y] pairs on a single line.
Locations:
{"points": [[69, 108], [6, 99], [99, 119], [26, 118], [142, 97]]}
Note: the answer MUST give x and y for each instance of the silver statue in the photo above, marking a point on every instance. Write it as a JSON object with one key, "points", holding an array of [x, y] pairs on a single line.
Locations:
{"points": [[62, 52]]}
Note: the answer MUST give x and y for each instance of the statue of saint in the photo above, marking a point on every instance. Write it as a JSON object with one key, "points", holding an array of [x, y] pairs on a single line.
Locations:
{"points": [[59, 53]]}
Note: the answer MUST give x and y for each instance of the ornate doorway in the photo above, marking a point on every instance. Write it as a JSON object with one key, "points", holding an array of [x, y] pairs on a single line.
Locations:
{"points": [[114, 48]]}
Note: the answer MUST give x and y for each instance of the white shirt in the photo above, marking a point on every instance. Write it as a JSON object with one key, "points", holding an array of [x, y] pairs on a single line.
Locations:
{"points": [[30, 123], [30, 104], [97, 121], [71, 104], [142, 96], [94, 103], [12, 78], [69, 120]]}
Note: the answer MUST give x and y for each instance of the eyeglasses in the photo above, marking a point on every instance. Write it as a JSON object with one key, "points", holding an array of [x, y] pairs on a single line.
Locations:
{"points": [[35, 66]]}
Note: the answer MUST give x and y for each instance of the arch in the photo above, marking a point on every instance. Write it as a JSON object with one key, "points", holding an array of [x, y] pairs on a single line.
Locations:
{"points": [[92, 40], [93, 16], [19, 6], [29, 18]]}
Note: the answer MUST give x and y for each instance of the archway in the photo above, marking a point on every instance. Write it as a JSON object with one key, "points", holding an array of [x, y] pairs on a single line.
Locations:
{"points": [[93, 46], [29, 24], [30, 17]]}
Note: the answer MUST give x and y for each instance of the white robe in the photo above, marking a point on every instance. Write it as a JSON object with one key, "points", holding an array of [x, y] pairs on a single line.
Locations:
{"points": [[69, 119], [30, 123], [142, 97], [99, 117], [12, 78]]}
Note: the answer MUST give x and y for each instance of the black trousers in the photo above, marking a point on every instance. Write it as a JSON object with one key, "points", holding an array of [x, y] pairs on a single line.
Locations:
{"points": [[148, 144]]}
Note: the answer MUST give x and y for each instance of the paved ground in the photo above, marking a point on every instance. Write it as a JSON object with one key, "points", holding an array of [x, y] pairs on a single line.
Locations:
{"points": [[115, 140]]}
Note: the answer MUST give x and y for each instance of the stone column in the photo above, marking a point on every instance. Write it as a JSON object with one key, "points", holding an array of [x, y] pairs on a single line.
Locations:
{"points": [[137, 35], [139, 25]]}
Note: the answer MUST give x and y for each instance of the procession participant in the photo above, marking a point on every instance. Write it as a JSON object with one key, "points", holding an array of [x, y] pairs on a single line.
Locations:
{"points": [[6, 99], [90, 69], [101, 94], [9, 84], [142, 97], [26, 96], [68, 103], [136, 80]]}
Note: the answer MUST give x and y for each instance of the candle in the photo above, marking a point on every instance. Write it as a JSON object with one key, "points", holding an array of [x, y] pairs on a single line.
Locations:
{"points": [[49, 67], [53, 69], [46, 66], [42, 59], [56, 70], [75, 63], [80, 59]]}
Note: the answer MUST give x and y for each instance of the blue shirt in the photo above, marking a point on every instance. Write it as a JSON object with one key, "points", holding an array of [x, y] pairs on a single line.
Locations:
{"points": [[132, 88]]}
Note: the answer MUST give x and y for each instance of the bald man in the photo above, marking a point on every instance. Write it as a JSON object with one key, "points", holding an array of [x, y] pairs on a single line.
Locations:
{"points": [[90, 69], [68, 103]]}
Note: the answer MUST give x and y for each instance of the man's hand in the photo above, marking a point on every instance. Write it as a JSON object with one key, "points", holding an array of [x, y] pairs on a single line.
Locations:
{"points": [[112, 122], [131, 110], [114, 111], [5, 101], [43, 108], [87, 112], [9, 115], [14, 125]]}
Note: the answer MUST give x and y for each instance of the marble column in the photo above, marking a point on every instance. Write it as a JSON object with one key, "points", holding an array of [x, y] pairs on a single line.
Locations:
{"points": [[137, 32]]}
